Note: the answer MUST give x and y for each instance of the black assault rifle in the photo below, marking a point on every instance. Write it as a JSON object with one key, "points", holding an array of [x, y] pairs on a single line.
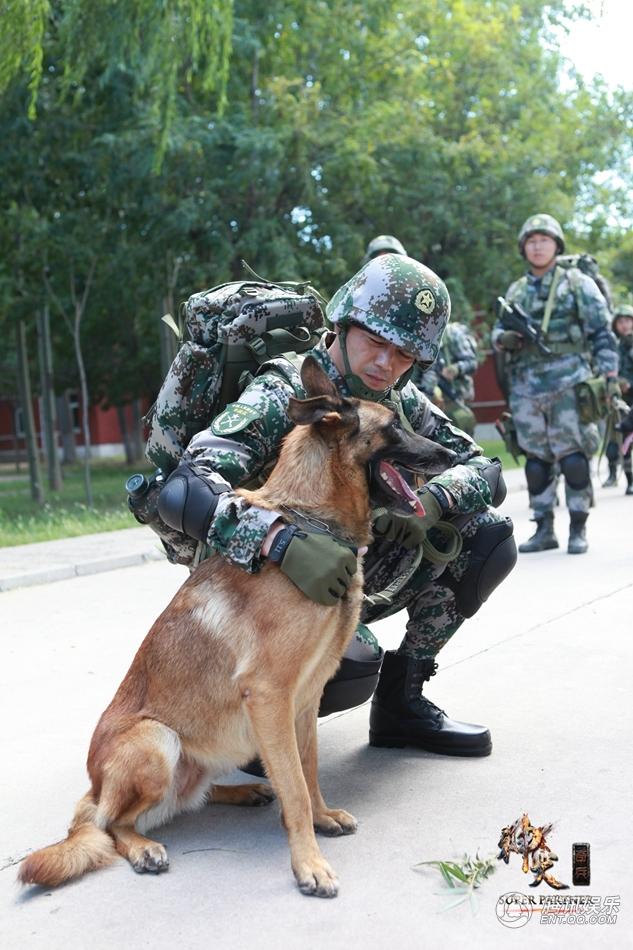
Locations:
{"points": [[514, 317]]}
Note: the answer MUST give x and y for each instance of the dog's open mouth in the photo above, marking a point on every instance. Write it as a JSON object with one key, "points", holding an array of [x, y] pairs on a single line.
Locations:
{"points": [[393, 481]]}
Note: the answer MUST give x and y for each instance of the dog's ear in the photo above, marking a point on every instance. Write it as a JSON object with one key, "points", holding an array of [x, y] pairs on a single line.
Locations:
{"points": [[305, 412], [316, 381]]}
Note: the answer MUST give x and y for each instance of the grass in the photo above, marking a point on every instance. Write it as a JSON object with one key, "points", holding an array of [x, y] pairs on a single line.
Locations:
{"points": [[64, 514], [496, 447]]}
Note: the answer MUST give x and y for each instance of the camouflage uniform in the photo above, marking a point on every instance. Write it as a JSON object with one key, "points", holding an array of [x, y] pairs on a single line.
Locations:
{"points": [[542, 397], [242, 444], [459, 350], [625, 376]]}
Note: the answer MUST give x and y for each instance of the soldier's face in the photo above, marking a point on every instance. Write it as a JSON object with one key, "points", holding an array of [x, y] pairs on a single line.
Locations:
{"points": [[540, 251], [378, 363], [624, 326]]}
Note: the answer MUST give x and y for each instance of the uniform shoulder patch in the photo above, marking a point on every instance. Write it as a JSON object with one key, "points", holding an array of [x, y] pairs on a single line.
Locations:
{"points": [[234, 418]]}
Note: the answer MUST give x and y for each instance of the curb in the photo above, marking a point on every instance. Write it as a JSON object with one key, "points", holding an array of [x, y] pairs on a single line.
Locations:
{"points": [[97, 566]]}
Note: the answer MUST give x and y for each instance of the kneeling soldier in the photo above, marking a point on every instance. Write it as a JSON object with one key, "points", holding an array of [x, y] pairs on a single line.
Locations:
{"points": [[388, 317]]}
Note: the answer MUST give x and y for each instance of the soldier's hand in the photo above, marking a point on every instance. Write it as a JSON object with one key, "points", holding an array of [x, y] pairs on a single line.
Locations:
{"points": [[511, 340], [408, 531], [318, 564]]}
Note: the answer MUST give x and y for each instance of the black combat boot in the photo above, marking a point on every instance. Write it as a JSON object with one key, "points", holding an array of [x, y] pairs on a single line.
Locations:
{"points": [[612, 478], [543, 538], [629, 483], [401, 716], [577, 532]]}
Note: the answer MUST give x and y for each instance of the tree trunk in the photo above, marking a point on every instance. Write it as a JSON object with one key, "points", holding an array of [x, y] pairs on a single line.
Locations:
{"points": [[69, 446], [48, 399], [26, 399], [127, 442], [85, 409]]}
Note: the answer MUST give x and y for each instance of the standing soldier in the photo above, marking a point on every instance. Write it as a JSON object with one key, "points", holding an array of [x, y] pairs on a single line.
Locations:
{"points": [[383, 244], [622, 326], [449, 382], [572, 318]]}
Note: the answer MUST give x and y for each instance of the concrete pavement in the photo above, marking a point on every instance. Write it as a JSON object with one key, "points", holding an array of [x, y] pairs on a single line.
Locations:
{"points": [[547, 663]]}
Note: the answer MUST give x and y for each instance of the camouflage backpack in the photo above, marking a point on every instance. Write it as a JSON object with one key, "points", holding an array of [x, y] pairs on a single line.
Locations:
{"points": [[587, 265], [232, 329]]}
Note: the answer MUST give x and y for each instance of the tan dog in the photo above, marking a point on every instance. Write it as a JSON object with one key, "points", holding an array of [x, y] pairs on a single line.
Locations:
{"points": [[236, 664]]}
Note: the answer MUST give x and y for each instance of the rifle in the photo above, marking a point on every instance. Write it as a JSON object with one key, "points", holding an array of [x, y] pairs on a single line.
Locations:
{"points": [[514, 317]]}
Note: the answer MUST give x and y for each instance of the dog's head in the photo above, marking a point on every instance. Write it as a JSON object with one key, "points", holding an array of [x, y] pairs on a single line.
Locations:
{"points": [[370, 435]]}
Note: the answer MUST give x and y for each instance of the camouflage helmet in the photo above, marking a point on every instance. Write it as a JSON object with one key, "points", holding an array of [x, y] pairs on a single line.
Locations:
{"points": [[624, 310], [383, 244], [398, 299], [542, 224]]}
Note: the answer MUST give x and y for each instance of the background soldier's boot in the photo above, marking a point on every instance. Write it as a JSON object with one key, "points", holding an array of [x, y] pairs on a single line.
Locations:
{"points": [[577, 532], [612, 478], [401, 716], [629, 483], [543, 538]]}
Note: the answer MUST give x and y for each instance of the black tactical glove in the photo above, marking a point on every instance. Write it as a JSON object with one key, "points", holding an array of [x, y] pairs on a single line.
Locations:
{"points": [[317, 563], [409, 531], [510, 340]]}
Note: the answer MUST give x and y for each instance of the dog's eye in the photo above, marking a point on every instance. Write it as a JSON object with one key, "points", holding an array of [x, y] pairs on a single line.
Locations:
{"points": [[395, 423]]}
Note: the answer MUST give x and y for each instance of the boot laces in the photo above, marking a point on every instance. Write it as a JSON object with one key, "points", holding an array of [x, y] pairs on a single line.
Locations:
{"points": [[418, 678]]}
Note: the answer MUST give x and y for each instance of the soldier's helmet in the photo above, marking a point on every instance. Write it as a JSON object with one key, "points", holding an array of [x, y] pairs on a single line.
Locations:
{"points": [[398, 299], [542, 224], [383, 244], [624, 310]]}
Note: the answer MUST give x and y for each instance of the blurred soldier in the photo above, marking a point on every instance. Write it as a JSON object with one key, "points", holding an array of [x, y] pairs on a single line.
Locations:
{"points": [[622, 326], [449, 382], [383, 244], [573, 319], [391, 314]]}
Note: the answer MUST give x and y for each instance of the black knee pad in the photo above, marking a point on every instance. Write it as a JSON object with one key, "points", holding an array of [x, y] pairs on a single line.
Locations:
{"points": [[612, 452], [538, 475], [575, 469], [493, 554], [353, 683]]}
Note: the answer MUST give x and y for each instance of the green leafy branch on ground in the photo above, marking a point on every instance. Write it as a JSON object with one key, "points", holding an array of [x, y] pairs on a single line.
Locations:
{"points": [[464, 876]]}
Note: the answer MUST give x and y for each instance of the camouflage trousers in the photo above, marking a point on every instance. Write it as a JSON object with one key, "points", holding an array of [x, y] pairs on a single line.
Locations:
{"points": [[429, 602], [548, 428]]}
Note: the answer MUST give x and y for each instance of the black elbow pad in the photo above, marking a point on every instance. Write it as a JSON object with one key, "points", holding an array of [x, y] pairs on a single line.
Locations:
{"points": [[494, 476], [188, 502]]}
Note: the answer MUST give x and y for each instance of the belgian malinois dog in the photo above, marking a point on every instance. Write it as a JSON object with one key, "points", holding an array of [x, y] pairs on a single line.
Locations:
{"points": [[235, 666]]}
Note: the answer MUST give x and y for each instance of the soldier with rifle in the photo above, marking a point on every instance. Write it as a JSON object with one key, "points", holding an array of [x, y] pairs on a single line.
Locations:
{"points": [[554, 324]]}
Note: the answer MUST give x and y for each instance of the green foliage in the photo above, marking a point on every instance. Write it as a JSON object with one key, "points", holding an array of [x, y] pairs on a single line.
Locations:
{"points": [[156, 168], [464, 876]]}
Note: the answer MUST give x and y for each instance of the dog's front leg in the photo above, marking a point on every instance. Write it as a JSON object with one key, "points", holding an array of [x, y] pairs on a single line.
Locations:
{"points": [[272, 719], [329, 821]]}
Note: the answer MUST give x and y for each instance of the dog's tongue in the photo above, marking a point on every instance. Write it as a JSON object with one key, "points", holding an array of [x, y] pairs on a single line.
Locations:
{"points": [[392, 477]]}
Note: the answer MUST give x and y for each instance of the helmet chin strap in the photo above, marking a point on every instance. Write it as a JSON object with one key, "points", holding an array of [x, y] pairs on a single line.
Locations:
{"points": [[355, 384]]}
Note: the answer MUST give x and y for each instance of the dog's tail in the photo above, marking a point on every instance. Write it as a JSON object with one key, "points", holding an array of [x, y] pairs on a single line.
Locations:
{"points": [[86, 848]]}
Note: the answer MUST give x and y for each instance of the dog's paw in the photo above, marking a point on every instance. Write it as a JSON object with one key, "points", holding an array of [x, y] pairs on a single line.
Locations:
{"points": [[316, 878], [152, 857], [334, 822], [256, 794]]}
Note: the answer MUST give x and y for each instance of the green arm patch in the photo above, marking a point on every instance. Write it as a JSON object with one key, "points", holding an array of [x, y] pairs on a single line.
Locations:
{"points": [[235, 418]]}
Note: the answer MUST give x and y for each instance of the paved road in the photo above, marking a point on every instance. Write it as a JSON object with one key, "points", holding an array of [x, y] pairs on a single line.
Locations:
{"points": [[547, 663]]}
